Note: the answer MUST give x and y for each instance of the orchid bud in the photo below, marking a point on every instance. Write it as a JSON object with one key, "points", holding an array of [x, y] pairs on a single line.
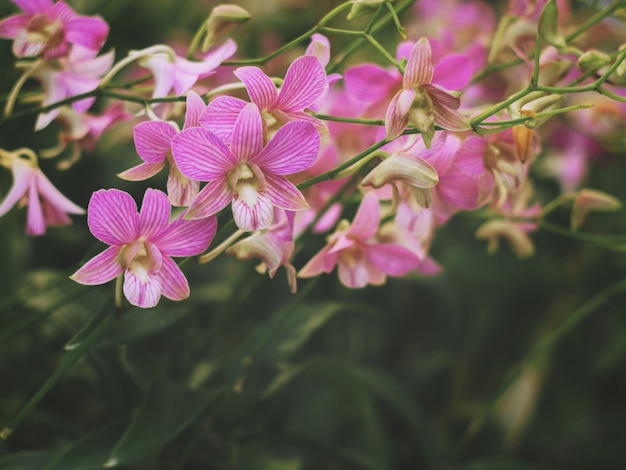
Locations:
{"points": [[222, 19], [591, 200], [517, 237], [540, 105], [361, 7], [548, 27], [594, 60]]}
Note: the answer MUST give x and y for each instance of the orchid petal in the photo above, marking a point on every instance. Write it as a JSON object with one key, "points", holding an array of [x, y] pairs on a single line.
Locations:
{"points": [[471, 159], [11, 26], [172, 280], [293, 148], [356, 274], [142, 291], [187, 237], [112, 217], [155, 213], [100, 269], [320, 48], [181, 190], [322, 262], [88, 31], [442, 97], [365, 223], [247, 140], [370, 83], [419, 66], [187, 73], [391, 259], [449, 118], [284, 194], [415, 172], [397, 115], [459, 190], [253, 217], [195, 107], [453, 72], [304, 82], [142, 171], [35, 221], [220, 116], [47, 191], [23, 178], [34, 6], [201, 155], [153, 140], [210, 200], [260, 87]]}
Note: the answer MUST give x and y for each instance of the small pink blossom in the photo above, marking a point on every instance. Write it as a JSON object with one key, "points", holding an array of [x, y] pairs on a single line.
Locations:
{"points": [[46, 205], [153, 142], [73, 75], [420, 102], [360, 257], [48, 28], [274, 246], [246, 172], [142, 244]]}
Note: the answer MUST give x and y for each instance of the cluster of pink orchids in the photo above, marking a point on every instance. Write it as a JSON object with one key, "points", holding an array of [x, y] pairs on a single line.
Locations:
{"points": [[413, 142]]}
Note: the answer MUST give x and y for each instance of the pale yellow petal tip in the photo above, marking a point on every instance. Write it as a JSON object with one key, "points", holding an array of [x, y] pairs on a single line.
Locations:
{"points": [[6, 432], [112, 462]]}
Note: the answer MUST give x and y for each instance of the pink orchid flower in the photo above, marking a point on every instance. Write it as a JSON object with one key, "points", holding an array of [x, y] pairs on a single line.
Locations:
{"points": [[73, 75], [360, 257], [420, 102], [48, 29], [142, 245], [248, 173], [153, 142], [46, 205], [304, 84], [274, 246]]}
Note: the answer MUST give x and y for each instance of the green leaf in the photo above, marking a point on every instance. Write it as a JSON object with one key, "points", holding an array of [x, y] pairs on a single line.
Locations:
{"points": [[88, 452], [140, 323], [166, 410], [26, 460]]}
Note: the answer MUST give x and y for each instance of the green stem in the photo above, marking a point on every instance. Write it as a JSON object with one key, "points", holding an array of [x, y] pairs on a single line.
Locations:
{"points": [[369, 122]]}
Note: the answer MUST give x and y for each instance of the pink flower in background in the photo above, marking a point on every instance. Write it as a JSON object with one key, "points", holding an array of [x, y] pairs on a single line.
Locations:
{"points": [[153, 142], [172, 72], [248, 173], [360, 257], [274, 246], [50, 28], [73, 75], [305, 82], [422, 103], [46, 205], [142, 245]]}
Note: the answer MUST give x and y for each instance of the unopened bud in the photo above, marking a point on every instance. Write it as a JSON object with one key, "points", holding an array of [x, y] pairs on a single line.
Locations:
{"points": [[588, 200], [594, 60], [361, 7], [222, 19], [548, 27], [523, 138], [540, 105]]}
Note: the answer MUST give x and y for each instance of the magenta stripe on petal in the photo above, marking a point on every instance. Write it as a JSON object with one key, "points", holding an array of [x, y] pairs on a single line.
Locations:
{"points": [[304, 82], [187, 237], [173, 282], [155, 213], [11, 26], [142, 171], [247, 139], [210, 200], [201, 155], [100, 269], [449, 119], [284, 194], [260, 87], [195, 107], [142, 291], [419, 67], [181, 190], [220, 116], [292, 149], [257, 217], [112, 217], [153, 140]]}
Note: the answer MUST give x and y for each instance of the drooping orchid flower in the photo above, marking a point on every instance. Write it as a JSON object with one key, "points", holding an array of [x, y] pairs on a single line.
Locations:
{"points": [[46, 205], [142, 245], [247, 173], [49, 28]]}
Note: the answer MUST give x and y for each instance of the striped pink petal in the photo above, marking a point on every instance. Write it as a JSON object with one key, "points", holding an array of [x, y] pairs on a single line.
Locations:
{"points": [[100, 269], [11, 26], [201, 155], [181, 190], [284, 194], [397, 115], [153, 140], [304, 82], [253, 217], [112, 217], [419, 66], [35, 221], [142, 171], [23, 176], [260, 87], [187, 237], [450, 119], [370, 83], [247, 140], [155, 213], [293, 148], [210, 200], [195, 107], [173, 282], [88, 31], [220, 116], [142, 291], [442, 97]]}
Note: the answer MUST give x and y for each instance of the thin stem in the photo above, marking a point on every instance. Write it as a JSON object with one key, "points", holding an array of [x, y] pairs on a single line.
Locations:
{"points": [[369, 122], [215, 252]]}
